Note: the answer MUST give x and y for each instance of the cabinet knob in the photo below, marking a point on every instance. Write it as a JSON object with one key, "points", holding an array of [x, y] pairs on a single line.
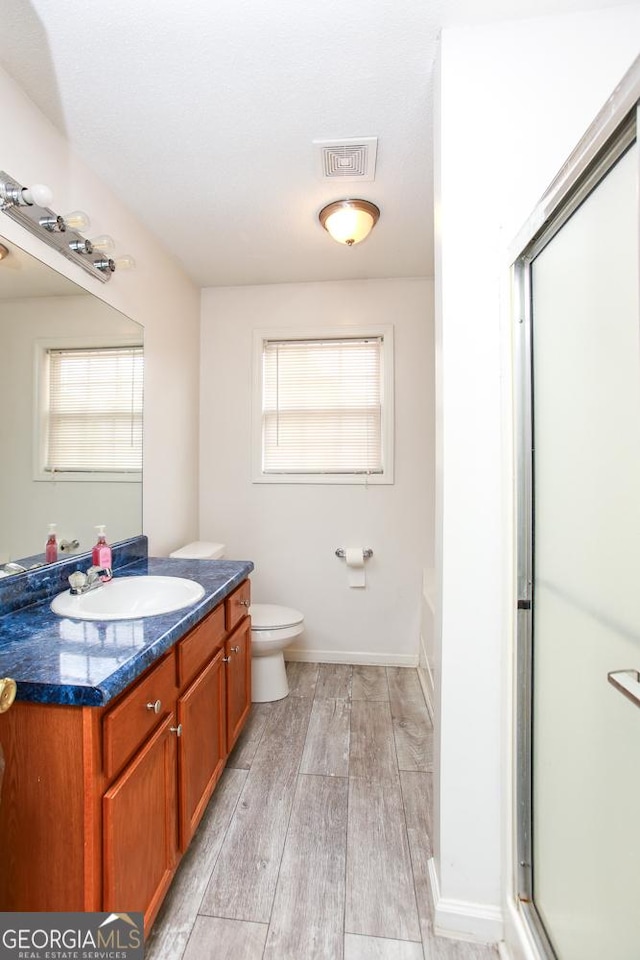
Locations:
{"points": [[226, 659], [235, 649], [8, 690], [177, 730], [244, 603], [155, 706]]}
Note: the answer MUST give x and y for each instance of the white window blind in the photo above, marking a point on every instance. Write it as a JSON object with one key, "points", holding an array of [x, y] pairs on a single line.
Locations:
{"points": [[94, 415], [322, 406]]}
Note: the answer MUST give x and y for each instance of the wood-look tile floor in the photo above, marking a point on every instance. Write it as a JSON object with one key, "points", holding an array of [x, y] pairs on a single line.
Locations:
{"points": [[315, 844]]}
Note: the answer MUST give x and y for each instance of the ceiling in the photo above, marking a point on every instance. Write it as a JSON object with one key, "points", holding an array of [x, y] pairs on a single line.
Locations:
{"points": [[209, 109]]}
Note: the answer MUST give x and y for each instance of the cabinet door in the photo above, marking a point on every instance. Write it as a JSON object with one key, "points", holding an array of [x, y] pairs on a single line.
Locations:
{"points": [[140, 828], [238, 653], [202, 744]]}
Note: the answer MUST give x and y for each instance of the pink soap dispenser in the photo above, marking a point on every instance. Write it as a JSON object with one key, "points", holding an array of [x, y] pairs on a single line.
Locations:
{"points": [[101, 553], [51, 546]]}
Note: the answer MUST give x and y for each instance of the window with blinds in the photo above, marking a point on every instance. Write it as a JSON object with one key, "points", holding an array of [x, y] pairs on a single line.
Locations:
{"points": [[323, 407], [93, 414]]}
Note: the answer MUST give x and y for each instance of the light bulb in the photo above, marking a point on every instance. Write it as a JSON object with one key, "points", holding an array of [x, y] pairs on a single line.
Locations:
{"points": [[37, 194], [78, 220], [125, 262], [104, 243]]}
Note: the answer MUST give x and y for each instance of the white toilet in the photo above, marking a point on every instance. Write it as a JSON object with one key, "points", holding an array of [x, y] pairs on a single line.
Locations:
{"points": [[200, 550], [272, 629]]}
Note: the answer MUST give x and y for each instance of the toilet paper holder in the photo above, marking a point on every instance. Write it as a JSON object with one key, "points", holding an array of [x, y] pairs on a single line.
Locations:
{"points": [[367, 554]]}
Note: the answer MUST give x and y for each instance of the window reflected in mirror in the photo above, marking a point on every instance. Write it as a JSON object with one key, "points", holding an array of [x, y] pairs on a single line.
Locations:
{"points": [[71, 451]]}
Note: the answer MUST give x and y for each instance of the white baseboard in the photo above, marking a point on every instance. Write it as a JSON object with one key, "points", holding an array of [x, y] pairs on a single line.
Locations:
{"points": [[352, 656], [427, 689], [426, 679], [461, 919], [519, 943]]}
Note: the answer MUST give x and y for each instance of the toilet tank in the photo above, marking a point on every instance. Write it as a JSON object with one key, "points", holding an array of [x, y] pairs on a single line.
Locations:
{"points": [[200, 550]]}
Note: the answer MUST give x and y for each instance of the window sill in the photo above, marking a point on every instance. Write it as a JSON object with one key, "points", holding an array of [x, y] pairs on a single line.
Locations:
{"points": [[345, 479], [100, 476]]}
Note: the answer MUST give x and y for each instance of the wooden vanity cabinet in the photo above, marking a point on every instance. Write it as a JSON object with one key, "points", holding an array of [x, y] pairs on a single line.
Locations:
{"points": [[238, 653], [190, 747], [139, 828], [237, 604], [50, 808], [135, 716], [97, 805], [199, 646], [202, 745], [238, 660]]}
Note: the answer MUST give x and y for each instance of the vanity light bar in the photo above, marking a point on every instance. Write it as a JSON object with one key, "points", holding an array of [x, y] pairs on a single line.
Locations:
{"points": [[21, 204]]}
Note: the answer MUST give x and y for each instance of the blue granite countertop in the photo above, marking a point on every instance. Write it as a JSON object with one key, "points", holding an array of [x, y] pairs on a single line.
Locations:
{"points": [[80, 662]]}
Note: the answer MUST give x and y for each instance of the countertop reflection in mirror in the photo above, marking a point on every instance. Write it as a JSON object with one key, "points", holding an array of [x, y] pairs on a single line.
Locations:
{"points": [[40, 308]]}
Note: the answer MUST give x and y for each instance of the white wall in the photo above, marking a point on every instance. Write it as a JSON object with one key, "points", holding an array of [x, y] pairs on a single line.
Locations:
{"points": [[514, 99], [291, 531], [157, 294], [28, 505]]}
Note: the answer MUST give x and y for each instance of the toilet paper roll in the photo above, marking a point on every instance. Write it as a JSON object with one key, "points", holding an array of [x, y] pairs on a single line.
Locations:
{"points": [[354, 557]]}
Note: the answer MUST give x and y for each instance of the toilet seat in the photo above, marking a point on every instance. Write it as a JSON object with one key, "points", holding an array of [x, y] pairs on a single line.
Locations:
{"points": [[270, 616]]}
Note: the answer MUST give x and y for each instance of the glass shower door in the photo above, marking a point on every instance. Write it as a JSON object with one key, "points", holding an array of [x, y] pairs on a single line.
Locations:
{"points": [[586, 582]]}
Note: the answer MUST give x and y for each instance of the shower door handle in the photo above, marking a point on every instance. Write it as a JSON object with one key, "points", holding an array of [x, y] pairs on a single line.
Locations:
{"points": [[628, 683]]}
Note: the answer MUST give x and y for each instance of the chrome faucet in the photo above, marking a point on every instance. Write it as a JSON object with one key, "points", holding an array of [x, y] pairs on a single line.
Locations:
{"points": [[68, 546], [80, 582]]}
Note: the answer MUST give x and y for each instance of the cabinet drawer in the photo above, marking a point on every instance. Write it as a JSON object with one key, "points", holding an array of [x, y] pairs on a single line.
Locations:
{"points": [[200, 645], [131, 720], [237, 604]]}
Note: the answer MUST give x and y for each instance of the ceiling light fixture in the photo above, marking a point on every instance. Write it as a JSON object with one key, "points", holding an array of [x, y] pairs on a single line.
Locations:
{"points": [[29, 206], [349, 221]]}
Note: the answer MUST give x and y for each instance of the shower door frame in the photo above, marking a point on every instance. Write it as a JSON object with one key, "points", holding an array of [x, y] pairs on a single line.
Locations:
{"points": [[613, 131]]}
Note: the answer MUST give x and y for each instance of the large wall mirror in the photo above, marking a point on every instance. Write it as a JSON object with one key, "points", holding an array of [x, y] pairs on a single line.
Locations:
{"points": [[41, 313]]}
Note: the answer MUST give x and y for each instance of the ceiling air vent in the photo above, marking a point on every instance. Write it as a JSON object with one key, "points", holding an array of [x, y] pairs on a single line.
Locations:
{"points": [[347, 160]]}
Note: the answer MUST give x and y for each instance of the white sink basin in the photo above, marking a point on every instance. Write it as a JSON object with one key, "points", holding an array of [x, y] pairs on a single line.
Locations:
{"points": [[127, 598]]}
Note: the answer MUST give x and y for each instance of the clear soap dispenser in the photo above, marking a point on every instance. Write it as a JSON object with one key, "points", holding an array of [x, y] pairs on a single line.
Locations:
{"points": [[51, 546]]}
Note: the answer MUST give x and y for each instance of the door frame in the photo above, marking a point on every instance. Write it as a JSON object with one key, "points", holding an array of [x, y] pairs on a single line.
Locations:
{"points": [[612, 132]]}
